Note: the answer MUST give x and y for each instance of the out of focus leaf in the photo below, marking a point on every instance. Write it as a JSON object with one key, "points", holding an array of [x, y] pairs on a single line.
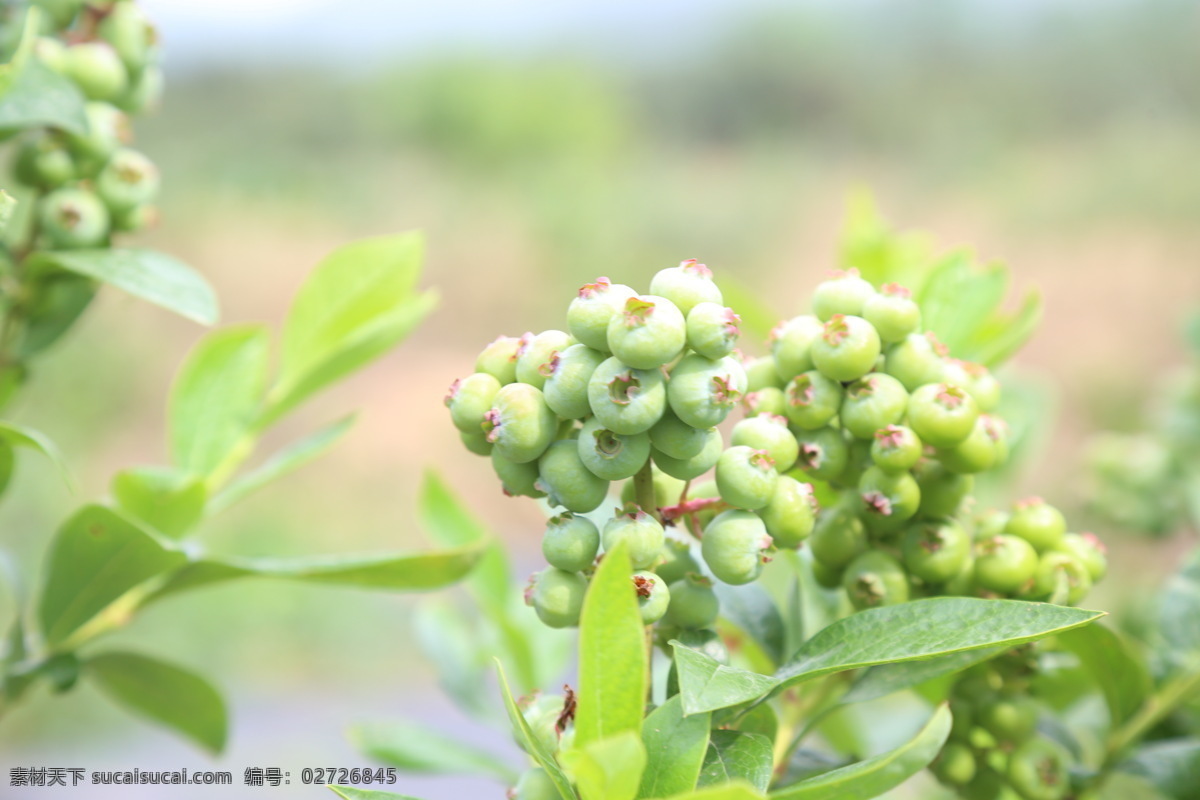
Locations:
{"points": [[417, 748], [169, 501]]}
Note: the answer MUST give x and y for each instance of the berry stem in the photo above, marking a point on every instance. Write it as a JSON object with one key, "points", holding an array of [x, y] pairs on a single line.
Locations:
{"points": [[643, 490]]}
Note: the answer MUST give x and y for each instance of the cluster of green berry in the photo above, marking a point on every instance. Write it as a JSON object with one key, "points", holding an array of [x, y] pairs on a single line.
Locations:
{"points": [[91, 185]]}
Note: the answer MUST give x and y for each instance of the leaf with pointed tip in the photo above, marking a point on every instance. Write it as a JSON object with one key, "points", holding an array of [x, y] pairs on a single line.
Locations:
{"points": [[706, 685], [675, 748], [1114, 665], [169, 501], [22, 436], [753, 610], [733, 755]]}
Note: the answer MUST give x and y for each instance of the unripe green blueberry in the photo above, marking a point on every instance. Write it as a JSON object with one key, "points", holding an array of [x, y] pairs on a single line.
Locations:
{"points": [[592, 310], [627, 400], [557, 596], [612, 456], [746, 477], [686, 285], [942, 491], [128, 180], [844, 293], [769, 433], [52, 53], [535, 354], [892, 312], [677, 439], [761, 374], [955, 765], [519, 423], [686, 469], [980, 451], [823, 453], [812, 400], [126, 28], [1087, 550], [847, 348], [667, 490], [838, 537], [43, 162], [875, 578], [712, 330], [826, 576], [476, 442], [1037, 522], [767, 400], [499, 359], [96, 69], [694, 604], [570, 542], [791, 514], [1040, 769], [983, 387], [72, 218], [134, 219], [936, 552], [653, 596], [516, 479], [566, 386], [642, 534], [1056, 566], [991, 523], [871, 403], [735, 546], [791, 345], [916, 360], [889, 499], [534, 784], [566, 481], [1004, 564], [676, 560], [469, 399], [943, 415], [896, 448], [107, 128], [647, 332], [1011, 718], [702, 391], [145, 93]]}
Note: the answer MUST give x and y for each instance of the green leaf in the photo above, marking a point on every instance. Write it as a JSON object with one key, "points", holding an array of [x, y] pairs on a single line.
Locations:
{"points": [[11, 70], [96, 557], [706, 685], [736, 790], [531, 743], [1172, 765], [285, 461], [164, 499], [455, 648], [358, 302], [675, 748], [608, 769], [155, 277], [164, 693], [40, 96], [613, 664], [216, 396], [879, 774], [753, 610], [444, 516], [1179, 615], [21, 436], [1004, 334], [351, 793], [733, 755], [417, 748], [958, 297], [1114, 665], [885, 679]]}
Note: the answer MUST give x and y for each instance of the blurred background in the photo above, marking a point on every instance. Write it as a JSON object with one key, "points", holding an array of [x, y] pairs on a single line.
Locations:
{"points": [[539, 145]]}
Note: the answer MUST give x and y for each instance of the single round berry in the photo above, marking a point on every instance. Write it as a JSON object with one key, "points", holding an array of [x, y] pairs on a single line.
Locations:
{"points": [[889, 499], [823, 453], [476, 442], [145, 92], [591, 311], [1004, 564], [535, 354], [943, 415], [791, 514], [499, 359], [791, 345], [767, 400], [915, 361], [44, 162], [983, 387], [627, 400], [96, 69], [1010, 718], [847, 348], [570, 542], [534, 784], [746, 477], [1037, 522], [557, 596], [1087, 550], [875, 579], [686, 285], [127, 181], [694, 604], [677, 439], [811, 400], [516, 479], [871, 403], [1057, 569], [653, 596], [844, 293], [955, 765], [469, 399], [647, 332], [566, 481], [735, 546], [519, 423], [838, 537], [126, 28], [942, 491], [1040, 770], [761, 374], [686, 469], [771, 434], [980, 451], [642, 534], [896, 448], [566, 386], [936, 552], [893, 313], [702, 391], [676, 560], [712, 330], [612, 456], [73, 218], [107, 127]]}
